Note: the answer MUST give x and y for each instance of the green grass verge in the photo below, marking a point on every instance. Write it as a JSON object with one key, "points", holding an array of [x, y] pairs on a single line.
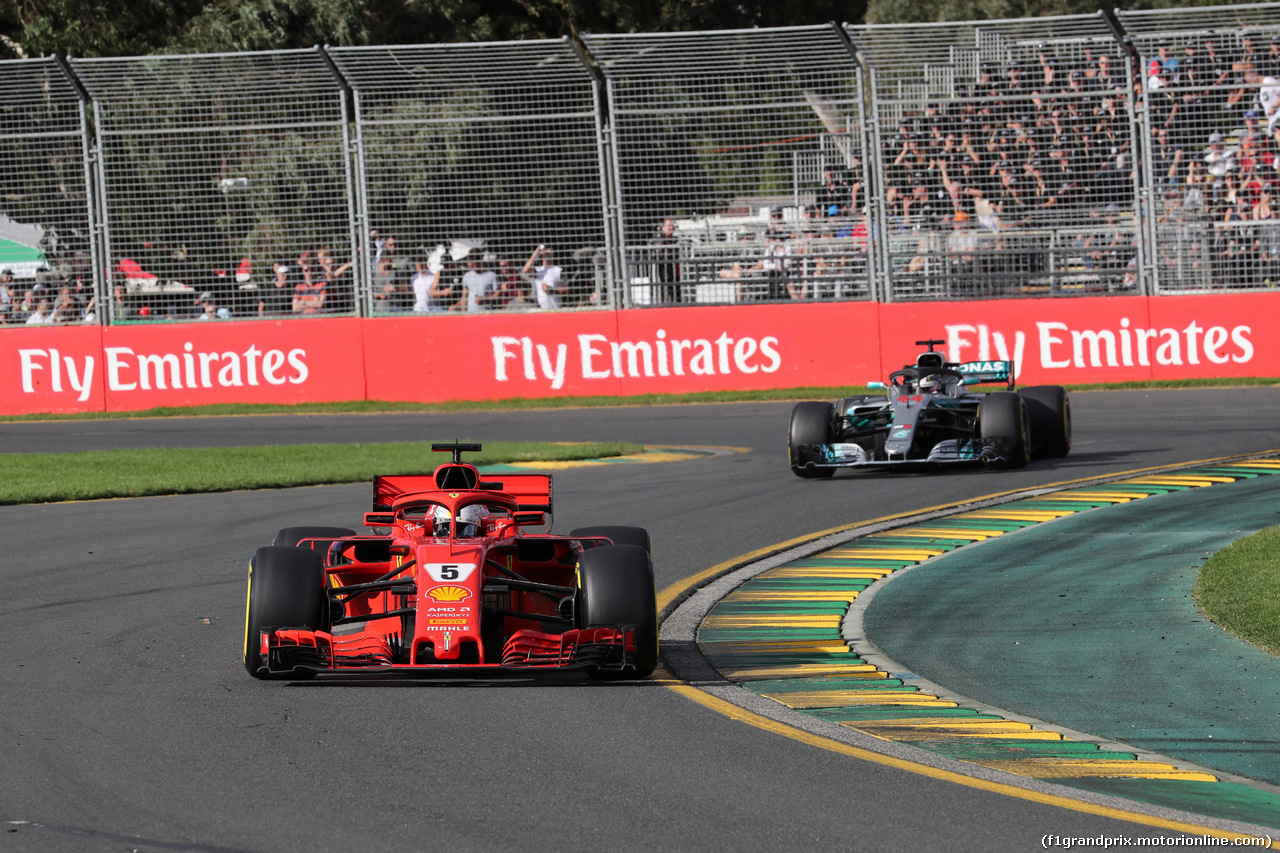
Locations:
{"points": [[1239, 589], [48, 477], [391, 406]]}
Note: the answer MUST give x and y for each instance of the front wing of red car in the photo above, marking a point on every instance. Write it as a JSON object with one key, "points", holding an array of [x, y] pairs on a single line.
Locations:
{"points": [[301, 650]]}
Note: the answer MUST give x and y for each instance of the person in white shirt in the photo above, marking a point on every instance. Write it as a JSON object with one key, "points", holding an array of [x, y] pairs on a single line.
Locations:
{"points": [[547, 286], [1269, 100], [478, 284], [41, 316], [422, 282]]}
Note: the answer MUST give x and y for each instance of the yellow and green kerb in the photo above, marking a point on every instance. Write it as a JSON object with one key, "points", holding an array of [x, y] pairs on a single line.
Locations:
{"points": [[780, 636]]}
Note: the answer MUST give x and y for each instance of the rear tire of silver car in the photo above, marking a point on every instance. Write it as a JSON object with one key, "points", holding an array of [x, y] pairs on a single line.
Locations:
{"points": [[290, 536], [1049, 410], [810, 424], [618, 534], [1003, 416], [615, 587], [286, 590]]}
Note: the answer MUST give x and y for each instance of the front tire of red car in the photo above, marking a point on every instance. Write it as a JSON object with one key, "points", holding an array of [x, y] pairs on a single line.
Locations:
{"points": [[616, 587], [618, 534], [290, 536], [286, 590]]}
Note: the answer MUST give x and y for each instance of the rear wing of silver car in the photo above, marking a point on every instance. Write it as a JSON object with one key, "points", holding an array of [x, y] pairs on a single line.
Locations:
{"points": [[985, 372]]}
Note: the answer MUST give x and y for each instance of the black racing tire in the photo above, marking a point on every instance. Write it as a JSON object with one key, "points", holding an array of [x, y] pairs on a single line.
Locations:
{"points": [[619, 534], [1049, 410], [1003, 415], [616, 587], [810, 424], [290, 536], [286, 590]]}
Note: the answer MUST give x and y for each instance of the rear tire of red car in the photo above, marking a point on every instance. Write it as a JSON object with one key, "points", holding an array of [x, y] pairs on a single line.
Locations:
{"points": [[1049, 409], [810, 424], [291, 536], [1003, 416], [286, 590], [619, 534], [615, 587]]}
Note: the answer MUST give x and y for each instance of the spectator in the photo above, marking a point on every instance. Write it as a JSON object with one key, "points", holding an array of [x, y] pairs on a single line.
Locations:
{"points": [[390, 292], [7, 296], [1219, 160], [1267, 236], [1242, 261], [479, 283], [1252, 135], [1167, 60], [1249, 58], [308, 294], [917, 211], [961, 246], [305, 263], [512, 291], [276, 298], [833, 195], [1008, 196], [546, 278], [208, 306], [67, 309], [1107, 78], [30, 299], [775, 266], [1191, 67], [1269, 102], [383, 247], [339, 288], [426, 285], [1219, 71], [1194, 199], [666, 257], [41, 314]]}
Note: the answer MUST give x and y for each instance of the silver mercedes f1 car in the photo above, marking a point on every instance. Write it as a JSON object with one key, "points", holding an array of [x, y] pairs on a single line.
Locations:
{"points": [[928, 417]]}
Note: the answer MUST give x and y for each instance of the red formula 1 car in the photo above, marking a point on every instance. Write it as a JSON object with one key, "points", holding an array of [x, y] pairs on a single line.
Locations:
{"points": [[452, 578]]}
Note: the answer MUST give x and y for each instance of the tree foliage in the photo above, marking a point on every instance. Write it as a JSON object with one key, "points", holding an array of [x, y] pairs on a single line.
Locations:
{"points": [[89, 28], [922, 11]]}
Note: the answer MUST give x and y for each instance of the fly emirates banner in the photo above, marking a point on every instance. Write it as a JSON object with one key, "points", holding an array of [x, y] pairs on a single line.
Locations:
{"points": [[627, 353]]}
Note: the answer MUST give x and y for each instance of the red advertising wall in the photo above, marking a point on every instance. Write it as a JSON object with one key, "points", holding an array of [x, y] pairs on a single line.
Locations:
{"points": [[1104, 339], [664, 350], [51, 370], [127, 368], [626, 353]]}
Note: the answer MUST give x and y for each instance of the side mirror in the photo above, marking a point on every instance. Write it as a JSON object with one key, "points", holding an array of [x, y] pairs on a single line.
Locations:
{"points": [[877, 385], [379, 519], [530, 519]]}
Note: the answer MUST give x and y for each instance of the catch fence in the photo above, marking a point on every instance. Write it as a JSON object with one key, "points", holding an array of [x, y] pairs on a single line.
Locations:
{"points": [[1046, 157]]}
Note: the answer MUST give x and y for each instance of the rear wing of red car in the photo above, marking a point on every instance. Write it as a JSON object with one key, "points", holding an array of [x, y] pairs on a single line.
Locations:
{"points": [[531, 491]]}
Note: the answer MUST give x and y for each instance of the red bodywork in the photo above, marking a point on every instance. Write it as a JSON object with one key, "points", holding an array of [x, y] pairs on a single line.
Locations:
{"points": [[414, 598]]}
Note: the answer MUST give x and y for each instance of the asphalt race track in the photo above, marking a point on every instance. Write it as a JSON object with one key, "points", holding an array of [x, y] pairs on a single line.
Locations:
{"points": [[127, 720]]}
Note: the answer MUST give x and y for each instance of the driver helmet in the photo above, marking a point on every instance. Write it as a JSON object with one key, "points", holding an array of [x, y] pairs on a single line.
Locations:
{"points": [[440, 521], [471, 520], [930, 384]]}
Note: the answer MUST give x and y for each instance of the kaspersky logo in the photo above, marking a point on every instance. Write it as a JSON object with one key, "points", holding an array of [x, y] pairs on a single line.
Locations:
{"points": [[449, 593]]}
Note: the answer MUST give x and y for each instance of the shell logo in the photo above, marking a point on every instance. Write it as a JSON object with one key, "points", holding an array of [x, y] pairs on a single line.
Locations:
{"points": [[449, 593]]}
